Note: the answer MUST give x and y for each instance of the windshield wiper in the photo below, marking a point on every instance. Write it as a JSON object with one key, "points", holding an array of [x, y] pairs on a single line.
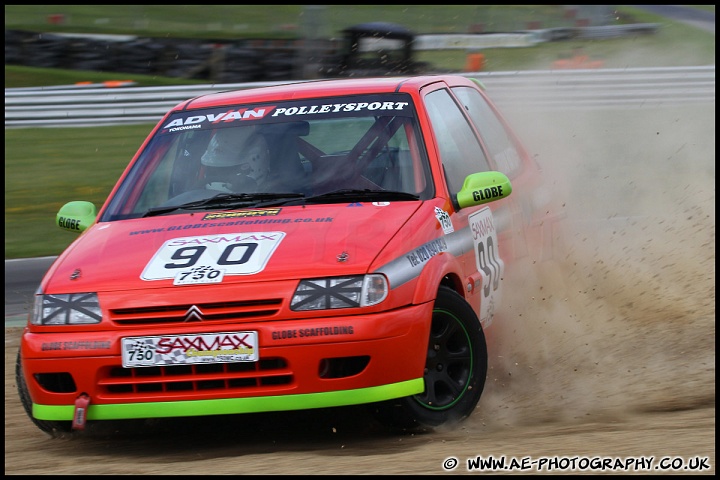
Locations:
{"points": [[228, 200], [360, 195]]}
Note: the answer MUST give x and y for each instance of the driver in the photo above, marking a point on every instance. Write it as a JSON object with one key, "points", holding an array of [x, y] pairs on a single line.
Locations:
{"points": [[237, 160]]}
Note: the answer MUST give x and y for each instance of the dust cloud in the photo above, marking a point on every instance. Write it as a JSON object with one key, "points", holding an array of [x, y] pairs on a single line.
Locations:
{"points": [[621, 318]]}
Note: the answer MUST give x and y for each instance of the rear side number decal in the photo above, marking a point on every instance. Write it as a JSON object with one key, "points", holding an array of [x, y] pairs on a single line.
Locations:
{"points": [[208, 258], [487, 260]]}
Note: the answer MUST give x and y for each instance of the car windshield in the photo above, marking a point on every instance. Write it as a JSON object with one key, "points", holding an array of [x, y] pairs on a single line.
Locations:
{"points": [[365, 147]]}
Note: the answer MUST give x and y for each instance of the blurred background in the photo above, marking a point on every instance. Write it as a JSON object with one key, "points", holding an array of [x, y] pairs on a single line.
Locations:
{"points": [[241, 43]]}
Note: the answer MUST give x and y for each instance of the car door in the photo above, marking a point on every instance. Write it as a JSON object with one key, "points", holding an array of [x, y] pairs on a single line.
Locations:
{"points": [[528, 219], [461, 153]]}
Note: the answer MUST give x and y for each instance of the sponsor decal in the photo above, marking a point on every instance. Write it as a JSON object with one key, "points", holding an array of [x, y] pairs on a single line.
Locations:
{"points": [[77, 345], [313, 332], [223, 347], [425, 252], [340, 107], [353, 106], [228, 223], [251, 212], [487, 193], [191, 122], [405, 268], [69, 223]]}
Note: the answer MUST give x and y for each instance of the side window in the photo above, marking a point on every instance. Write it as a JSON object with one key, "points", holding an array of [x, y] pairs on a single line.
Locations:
{"points": [[493, 132], [460, 150]]}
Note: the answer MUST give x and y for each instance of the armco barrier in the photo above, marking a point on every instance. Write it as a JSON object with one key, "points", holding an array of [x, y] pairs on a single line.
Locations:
{"points": [[553, 89]]}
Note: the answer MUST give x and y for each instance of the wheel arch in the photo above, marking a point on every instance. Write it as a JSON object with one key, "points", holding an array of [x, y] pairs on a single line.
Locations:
{"points": [[443, 269]]}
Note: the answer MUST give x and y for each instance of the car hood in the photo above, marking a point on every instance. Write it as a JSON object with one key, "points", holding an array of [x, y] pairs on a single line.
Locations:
{"points": [[297, 241]]}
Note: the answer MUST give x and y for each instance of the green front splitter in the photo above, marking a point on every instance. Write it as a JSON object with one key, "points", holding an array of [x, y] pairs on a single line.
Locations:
{"points": [[224, 406]]}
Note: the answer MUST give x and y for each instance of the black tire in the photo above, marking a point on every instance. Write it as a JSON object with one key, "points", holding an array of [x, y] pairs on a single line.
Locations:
{"points": [[55, 429], [455, 370]]}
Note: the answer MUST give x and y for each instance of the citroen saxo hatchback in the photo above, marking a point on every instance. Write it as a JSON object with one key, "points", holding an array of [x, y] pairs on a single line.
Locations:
{"points": [[307, 245]]}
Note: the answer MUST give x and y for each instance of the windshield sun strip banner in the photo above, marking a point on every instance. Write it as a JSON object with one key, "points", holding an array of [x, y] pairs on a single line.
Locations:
{"points": [[396, 104]]}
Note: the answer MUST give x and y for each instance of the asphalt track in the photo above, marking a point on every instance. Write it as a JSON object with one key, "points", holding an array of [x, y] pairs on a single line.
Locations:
{"points": [[22, 278]]}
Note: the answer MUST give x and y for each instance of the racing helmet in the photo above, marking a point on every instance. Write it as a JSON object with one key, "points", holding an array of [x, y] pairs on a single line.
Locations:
{"points": [[236, 159]]}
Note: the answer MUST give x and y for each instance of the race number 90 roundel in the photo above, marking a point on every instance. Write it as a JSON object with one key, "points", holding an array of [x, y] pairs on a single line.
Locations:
{"points": [[208, 258]]}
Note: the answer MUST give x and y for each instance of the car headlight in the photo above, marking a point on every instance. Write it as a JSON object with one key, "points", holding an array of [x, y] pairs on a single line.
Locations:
{"points": [[339, 292], [66, 309]]}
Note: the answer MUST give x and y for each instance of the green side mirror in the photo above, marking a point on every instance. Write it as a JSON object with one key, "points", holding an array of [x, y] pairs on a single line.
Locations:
{"points": [[76, 216], [483, 187]]}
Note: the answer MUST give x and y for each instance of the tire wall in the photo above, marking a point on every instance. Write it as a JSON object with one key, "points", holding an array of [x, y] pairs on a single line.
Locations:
{"points": [[229, 62]]}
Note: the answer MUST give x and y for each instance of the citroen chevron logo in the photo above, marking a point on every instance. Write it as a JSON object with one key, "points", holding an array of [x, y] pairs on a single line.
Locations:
{"points": [[194, 314]]}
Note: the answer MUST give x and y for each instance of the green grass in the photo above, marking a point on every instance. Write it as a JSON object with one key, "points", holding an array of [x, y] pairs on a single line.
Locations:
{"points": [[19, 76], [47, 167], [243, 21]]}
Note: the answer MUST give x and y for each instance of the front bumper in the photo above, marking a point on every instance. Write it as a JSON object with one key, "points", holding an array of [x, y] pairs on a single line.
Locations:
{"points": [[333, 361]]}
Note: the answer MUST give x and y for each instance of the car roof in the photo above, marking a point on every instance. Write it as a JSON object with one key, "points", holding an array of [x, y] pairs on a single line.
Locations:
{"points": [[319, 88]]}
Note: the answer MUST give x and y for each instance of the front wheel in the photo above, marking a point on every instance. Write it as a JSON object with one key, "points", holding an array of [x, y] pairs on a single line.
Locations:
{"points": [[455, 370]]}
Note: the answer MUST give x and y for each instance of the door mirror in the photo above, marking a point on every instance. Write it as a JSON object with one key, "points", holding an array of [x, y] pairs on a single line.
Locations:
{"points": [[483, 187], [76, 216]]}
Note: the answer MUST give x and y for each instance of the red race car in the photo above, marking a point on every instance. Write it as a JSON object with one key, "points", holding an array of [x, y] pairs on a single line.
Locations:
{"points": [[299, 246]]}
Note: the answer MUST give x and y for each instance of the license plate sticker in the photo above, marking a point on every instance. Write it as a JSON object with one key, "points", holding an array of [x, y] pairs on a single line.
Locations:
{"points": [[199, 275], [224, 347]]}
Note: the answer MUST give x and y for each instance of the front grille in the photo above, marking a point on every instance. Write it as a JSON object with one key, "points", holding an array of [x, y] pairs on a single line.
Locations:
{"points": [[170, 314], [228, 377]]}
